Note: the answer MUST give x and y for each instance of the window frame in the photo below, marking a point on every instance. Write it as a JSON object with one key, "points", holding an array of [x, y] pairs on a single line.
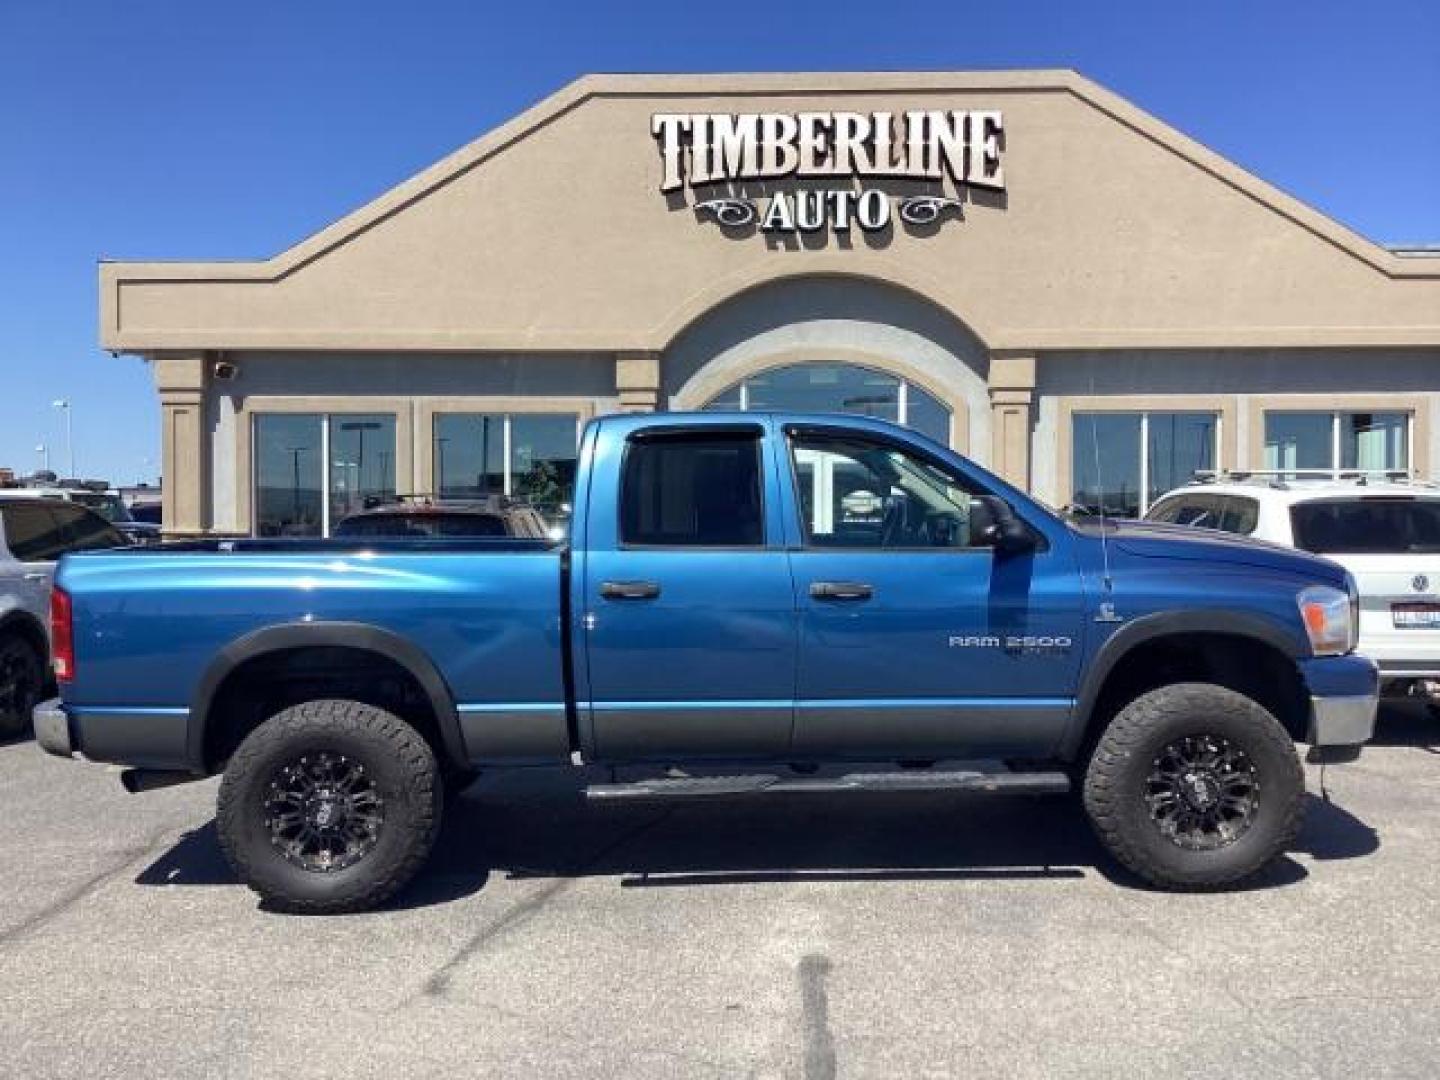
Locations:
{"points": [[754, 434], [507, 418], [326, 415], [955, 429], [1335, 469], [1143, 446]]}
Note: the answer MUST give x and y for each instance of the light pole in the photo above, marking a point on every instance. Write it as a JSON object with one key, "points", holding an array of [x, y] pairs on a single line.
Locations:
{"points": [[361, 426], [295, 452], [64, 405], [44, 452]]}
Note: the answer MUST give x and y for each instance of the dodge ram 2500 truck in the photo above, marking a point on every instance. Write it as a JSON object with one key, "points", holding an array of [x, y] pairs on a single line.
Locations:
{"points": [[748, 605]]}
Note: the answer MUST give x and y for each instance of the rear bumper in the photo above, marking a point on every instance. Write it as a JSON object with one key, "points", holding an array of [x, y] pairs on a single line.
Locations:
{"points": [[52, 728], [150, 738], [1344, 694]]}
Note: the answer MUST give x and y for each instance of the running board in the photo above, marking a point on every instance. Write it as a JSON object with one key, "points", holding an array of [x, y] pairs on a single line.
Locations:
{"points": [[998, 780]]}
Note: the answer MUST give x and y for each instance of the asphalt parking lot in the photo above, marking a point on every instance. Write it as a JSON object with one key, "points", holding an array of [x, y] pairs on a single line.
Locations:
{"points": [[874, 936]]}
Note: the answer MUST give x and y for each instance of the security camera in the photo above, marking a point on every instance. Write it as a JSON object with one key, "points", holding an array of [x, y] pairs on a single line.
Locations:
{"points": [[224, 370]]}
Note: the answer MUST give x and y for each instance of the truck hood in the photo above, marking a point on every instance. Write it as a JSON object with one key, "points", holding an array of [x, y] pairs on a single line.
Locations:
{"points": [[1159, 541]]}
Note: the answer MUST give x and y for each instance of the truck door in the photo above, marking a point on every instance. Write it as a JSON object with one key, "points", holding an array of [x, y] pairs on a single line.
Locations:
{"points": [[918, 639], [684, 595]]}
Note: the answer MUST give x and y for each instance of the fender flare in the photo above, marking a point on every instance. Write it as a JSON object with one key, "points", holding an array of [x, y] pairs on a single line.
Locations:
{"points": [[347, 635], [1242, 624]]}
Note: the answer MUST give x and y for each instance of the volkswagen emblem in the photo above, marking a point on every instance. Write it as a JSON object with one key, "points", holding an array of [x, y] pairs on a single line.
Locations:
{"points": [[1420, 583]]}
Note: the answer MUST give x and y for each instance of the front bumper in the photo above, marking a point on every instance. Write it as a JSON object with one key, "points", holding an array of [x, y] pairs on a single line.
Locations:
{"points": [[52, 728], [1344, 694]]}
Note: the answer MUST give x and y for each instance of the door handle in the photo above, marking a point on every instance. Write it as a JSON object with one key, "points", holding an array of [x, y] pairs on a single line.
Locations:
{"points": [[629, 590], [840, 590], [37, 575]]}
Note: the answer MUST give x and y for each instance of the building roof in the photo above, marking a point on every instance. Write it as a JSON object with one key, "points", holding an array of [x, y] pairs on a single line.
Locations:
{"points": [[550, 233]]}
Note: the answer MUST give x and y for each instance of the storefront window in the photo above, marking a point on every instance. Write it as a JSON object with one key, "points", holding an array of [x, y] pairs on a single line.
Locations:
{"points": [[840, 388], [528, 456], [313, 469], [362, 463], [1327, 442], [1121, 462], [288, 472]]}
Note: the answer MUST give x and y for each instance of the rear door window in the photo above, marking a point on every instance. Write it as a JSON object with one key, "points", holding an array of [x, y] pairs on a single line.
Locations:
{"points": [[85, 530], [1373, 525], [32, 533], [695, 490], [1202, 511], [1239, 515]]}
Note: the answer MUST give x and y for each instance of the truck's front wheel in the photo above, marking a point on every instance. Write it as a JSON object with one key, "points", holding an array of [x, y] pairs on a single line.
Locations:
{"points": [[1195, 786], [329, 806]]}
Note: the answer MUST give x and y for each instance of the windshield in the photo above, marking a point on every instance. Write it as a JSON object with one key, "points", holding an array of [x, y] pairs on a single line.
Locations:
{"points": [[1377, 525], [107, 505]]}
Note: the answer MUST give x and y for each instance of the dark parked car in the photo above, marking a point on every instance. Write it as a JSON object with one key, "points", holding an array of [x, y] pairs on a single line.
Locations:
{"points": [[424, 518], [34, 533]]}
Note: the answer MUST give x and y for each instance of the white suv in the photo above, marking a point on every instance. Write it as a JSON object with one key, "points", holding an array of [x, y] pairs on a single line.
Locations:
{"points": [[1384, 530]]}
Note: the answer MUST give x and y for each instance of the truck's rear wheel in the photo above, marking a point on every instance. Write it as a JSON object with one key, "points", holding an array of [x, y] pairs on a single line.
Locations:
{"points": [[1194, 786], [329, 806]]}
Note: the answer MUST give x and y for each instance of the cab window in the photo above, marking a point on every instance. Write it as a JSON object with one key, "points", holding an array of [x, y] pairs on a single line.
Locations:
{"points": [[697, 489]]}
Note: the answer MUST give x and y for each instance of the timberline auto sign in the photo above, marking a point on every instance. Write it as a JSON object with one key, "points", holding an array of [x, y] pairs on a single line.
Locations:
{"points": [[701, 149]]}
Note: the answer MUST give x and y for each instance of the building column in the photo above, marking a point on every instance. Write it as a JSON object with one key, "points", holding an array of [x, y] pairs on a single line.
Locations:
{"points": [[1012, 392], [637, 379], [181, 379]]}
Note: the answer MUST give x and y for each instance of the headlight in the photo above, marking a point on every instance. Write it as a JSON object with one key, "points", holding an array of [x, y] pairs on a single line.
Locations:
{"points": [[1330, 618]]}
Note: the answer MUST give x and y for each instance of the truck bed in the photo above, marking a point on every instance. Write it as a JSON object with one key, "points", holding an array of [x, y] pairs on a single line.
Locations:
{"points": [[153, 623]]}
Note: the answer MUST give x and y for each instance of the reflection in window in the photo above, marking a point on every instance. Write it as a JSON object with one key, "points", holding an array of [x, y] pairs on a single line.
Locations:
{"points": [[528, 456], [840, 388], [288, 474], [362, 463], [1121, 462], [313, 469], [858, 494], [1328, 442]]}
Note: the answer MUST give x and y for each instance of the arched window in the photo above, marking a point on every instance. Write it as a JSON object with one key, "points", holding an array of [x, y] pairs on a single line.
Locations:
{"points": [[839, 388]]}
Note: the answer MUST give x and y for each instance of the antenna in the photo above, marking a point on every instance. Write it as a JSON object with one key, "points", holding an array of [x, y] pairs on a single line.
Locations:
{"points": [[1106, 580]]}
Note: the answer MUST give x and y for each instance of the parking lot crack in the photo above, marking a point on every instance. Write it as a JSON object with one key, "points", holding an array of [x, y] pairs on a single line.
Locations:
{"points": [[86, 888], [525, 910]]}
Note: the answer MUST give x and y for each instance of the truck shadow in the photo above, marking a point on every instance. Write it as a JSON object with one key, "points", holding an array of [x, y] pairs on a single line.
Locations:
{"points": [[1409, 724], [539, 826]]}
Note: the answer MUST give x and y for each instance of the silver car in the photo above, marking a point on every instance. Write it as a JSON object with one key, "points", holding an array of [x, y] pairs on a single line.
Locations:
{"points": [[34, 533]]}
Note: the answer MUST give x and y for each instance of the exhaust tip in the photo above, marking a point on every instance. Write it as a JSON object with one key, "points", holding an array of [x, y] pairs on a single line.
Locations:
{"points": [[137, 780]]}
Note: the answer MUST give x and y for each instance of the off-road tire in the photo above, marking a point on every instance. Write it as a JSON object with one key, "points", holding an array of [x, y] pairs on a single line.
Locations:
{"points": [[1115, 780], [405, 775], [19, 660]]}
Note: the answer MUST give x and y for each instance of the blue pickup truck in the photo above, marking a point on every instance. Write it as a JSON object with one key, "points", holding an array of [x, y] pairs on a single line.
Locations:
{"points": [[748, 605]]}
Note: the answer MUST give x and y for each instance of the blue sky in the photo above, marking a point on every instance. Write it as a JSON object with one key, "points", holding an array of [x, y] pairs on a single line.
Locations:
{"points": [[183, 130]]}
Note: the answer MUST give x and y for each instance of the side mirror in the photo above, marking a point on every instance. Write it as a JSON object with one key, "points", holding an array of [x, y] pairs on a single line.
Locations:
{"points": [[1004, 532]]}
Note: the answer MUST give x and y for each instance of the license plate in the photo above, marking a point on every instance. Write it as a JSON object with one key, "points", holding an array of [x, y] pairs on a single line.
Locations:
{"points": [[1416, 616]]}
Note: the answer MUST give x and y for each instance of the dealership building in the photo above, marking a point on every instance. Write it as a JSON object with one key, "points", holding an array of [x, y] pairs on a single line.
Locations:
{"points": [[1019, 264]]}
